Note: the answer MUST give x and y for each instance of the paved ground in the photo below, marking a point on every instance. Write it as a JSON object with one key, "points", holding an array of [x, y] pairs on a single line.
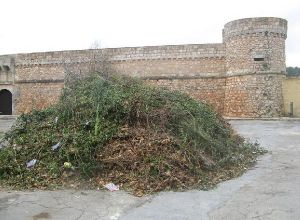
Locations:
{"points": [[5, 123], [271, 190]]}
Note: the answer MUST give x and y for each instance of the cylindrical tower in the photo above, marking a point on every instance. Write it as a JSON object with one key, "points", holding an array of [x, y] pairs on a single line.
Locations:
{"points": [[255, 65]]}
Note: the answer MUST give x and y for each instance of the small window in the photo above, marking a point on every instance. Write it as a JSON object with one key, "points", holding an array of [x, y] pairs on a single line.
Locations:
{"points": [[259, 59]]}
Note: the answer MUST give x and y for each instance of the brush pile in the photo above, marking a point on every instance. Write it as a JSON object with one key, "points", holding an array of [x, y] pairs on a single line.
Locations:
{"points": [[117, 129]]}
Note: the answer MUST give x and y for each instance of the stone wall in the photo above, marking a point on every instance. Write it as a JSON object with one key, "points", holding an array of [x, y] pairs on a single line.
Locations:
{"points": [[255, 66], [39, 76], [172, 68], [255, 45], [208, 90], [30, 96], [241, 77], [253, 96], [153, 61]]}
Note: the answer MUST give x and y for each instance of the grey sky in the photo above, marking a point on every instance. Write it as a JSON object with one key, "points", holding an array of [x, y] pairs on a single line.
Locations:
{"points": [[45, 25]]}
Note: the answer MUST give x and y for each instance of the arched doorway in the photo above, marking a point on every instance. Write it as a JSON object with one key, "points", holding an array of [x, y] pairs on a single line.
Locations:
{"points": [[5, 102]]}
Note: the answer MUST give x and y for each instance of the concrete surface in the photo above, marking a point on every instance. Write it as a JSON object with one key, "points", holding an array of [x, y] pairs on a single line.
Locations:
{"points": [[270, 190], [6, 122]]}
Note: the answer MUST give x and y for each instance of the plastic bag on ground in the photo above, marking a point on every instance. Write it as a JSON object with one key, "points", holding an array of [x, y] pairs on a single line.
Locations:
{"points": [[56, 146], [31, 163], [111, 187]]}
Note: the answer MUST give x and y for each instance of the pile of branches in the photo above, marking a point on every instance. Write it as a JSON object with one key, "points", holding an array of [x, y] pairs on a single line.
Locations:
{"points": [[117, 129]]}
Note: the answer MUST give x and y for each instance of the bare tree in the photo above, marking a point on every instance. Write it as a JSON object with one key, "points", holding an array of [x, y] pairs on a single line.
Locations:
{"points": [[97, 63], [96, 44]]}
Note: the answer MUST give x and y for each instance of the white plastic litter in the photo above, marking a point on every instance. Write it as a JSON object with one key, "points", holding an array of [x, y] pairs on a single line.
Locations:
{"points": [[87, 125], [31, 163], [111, 187], [56, 120], [56, 146]]}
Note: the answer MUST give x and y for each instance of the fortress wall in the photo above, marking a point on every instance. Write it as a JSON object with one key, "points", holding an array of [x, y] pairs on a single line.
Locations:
{"points": [[30, 96], [165, 61], [253, 96], [241, 77], [122, 54], [208, 90], [193, 69], [37, 86], [242, 50], [255, 64], [251, 38], [253, 88], [172, 68], [34, 73]]}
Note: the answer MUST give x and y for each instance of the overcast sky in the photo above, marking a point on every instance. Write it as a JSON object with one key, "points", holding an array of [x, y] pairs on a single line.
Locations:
{"points": [[48, 25]]}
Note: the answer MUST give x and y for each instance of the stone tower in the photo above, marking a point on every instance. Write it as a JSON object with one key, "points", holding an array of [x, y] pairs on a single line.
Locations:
{"points": [[255, 66]]}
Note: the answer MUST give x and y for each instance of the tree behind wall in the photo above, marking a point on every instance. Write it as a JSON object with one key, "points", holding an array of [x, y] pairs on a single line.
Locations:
{"points": [[293, 71]]}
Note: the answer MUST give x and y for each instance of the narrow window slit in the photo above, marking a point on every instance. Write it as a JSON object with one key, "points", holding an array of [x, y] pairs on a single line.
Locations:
{"points": [[259, 59]]}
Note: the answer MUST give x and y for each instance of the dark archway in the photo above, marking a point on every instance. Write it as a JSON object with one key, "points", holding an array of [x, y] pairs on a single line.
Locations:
{"points": [[5, 102]]}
